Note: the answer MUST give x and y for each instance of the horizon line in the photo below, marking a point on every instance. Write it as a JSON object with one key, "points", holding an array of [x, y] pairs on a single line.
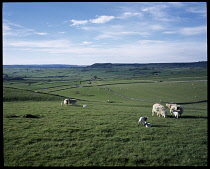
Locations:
{"points": [[100, 63]]}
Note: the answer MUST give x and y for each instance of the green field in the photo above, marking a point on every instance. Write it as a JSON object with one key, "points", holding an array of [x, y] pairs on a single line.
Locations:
{"points": [[105, 133]]}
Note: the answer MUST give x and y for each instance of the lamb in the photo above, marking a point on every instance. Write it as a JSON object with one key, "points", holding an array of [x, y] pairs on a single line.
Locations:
{"points": [[142, 120], [175, 108], [176, 114], [146, 124], [69, 101]]}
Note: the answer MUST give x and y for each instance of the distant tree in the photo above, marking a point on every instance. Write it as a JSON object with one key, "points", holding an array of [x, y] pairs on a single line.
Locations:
{"points": [[95, 77]]}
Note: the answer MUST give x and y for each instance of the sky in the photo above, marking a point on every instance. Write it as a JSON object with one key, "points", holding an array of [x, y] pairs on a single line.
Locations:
{"points": [[84, 33]]}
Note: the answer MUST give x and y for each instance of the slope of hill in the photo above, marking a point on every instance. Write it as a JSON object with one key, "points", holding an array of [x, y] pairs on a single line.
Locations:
{"points": [[149, 65]]}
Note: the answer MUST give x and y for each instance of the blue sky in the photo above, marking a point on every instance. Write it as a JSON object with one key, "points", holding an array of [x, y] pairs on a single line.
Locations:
{"points": [[83, 33]]}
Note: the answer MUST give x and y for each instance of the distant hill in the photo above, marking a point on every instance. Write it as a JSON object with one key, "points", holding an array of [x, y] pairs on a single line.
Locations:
{"points": [[149, 65], [46, 66]]}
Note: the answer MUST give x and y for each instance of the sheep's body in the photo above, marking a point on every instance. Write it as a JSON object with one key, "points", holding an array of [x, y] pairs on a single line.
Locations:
{"points": [[142, 120], [147, 124], [69, 101], [159, 109], [175, 108], [176, 114]]}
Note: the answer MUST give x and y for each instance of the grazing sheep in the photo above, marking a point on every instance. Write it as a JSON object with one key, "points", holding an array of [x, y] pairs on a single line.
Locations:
{"points": [[169, 105], [175, 107], [159, 109], [84, 105], [142, 120], [146, 124], [69, 101]]}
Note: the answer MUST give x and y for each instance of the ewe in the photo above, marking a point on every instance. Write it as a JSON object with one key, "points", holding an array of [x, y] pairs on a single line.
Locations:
{"points": [[159, 109], [175, 108]]}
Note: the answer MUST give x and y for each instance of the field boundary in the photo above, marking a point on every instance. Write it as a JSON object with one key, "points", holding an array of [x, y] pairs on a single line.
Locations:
{"points": [[39, 92], [151, 101]]}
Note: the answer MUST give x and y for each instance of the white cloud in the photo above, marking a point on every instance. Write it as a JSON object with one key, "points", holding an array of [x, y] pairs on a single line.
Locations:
{"points": [[6, 27], [12, 29], [126, 15], [40, 33], [99, 19], [170, 32], [156, 27], [86, 43], [120, 34], [193, 30], [78, 22], [159, 12], [197, 9], [188, 31], [60, 43], [102, 19], [176, 4]]}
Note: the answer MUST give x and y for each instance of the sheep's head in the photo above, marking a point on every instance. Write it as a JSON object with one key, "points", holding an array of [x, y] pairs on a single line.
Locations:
{"points": [[164, 113], [168, 105]]}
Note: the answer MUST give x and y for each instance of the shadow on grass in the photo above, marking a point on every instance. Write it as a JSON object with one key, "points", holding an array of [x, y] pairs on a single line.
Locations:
{"points": [[157, 125], [193, 117], [30, 116], [189, 117], [24, 116]]}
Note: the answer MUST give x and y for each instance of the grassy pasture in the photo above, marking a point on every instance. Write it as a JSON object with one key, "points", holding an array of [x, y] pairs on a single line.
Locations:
{"points": [[102, 134], [105, 133]]}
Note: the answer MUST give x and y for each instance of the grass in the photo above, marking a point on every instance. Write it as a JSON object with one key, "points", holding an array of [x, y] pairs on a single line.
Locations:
{"points": [[105, 133], [97, 136], [14, 94]]}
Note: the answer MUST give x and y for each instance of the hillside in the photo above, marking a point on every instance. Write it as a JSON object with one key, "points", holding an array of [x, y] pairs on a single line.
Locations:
{"points": [[150, 65]]}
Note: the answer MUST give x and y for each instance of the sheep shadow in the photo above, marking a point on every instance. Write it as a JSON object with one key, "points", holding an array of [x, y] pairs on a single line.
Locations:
{"points": [[11, 116], [31, 116], [193, 117], [24, 116], [157, 125], [188, 117]]}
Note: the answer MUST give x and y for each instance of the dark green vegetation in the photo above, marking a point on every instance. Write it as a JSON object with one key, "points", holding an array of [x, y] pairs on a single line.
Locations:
{"points": [[38, 131]]}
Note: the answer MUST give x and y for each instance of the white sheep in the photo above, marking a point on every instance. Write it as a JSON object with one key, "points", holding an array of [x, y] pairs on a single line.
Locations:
{"points": [[176, 108], [66, 102], [159, 109], [69, 101], [176, 114]]}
